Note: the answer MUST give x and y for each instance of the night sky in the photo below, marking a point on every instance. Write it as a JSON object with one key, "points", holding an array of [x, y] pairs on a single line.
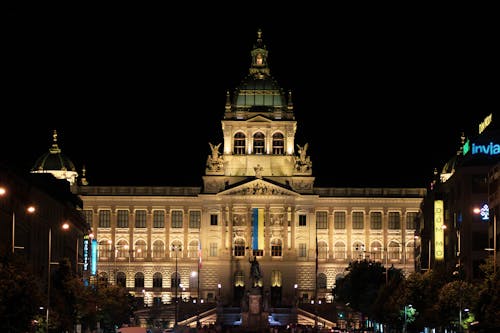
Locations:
{"points": [[136, 94]]}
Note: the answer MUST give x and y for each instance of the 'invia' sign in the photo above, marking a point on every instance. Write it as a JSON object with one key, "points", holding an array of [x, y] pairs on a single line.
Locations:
{"points": [[476, 149], [490, 149]]}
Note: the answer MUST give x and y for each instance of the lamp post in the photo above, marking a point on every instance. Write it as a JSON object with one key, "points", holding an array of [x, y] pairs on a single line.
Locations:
{"points": [[296, 300], [65, 226], [176, 248], [494, 244], [30, 210], [481, 211]]}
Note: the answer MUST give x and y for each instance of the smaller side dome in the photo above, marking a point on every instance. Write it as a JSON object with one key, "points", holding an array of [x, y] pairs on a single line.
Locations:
{"points": [[56, 163]]}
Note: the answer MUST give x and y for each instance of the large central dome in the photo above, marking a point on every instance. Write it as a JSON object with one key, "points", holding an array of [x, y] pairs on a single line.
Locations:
{"points": [[259, 91]]}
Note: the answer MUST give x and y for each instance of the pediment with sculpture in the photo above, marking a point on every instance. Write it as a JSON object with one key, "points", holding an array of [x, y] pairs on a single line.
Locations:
{"points": [[258, 187]]}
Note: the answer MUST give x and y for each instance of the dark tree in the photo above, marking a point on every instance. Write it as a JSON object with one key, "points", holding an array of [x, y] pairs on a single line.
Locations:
{"points": [[20, 296]]}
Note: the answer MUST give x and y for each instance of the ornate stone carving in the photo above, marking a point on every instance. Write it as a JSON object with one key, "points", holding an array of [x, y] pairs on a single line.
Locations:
{"points": [[215, 162], [303, 162]]}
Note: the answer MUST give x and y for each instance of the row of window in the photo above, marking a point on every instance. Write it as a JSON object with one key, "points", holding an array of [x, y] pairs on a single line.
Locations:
{"points": [[259, 139], [175, 279], [375, 251], [177, 216], [358, 220]]}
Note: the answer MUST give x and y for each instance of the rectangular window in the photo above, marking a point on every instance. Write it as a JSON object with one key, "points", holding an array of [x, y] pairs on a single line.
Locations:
{"points": [[302, 220], [158, 219], [177, 218], [321, 220], [239, 250], [122, 218], [194, 219], [276, 250], [339, 220], [394, 221], [213, 249], [214, 219], [376, 220], [140, 218], [411, 220], [104, 218], [88, 214], [302, 250], [358, 220]]}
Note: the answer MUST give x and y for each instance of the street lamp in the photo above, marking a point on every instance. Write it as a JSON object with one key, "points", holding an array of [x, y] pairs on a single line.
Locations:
{"points": [[407, 308], [30, 210], [176, 248], [486, 214], [295, 286], [65, 226]]}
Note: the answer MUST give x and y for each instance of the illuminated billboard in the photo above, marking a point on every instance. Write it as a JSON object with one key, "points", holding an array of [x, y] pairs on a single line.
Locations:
{"points": [[438, 230]]}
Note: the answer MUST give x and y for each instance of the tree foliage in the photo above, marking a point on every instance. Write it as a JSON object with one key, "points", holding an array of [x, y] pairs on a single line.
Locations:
{"points": [[360, 287], [20, 296]]}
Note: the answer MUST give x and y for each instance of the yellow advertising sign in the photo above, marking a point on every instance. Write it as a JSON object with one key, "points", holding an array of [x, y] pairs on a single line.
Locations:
{"points": [[438, 230]]}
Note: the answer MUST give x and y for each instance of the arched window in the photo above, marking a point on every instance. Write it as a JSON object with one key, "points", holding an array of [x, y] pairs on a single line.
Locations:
{"points": [[158, 249], [140, 249], [157, 280], [322, 250], [278, 144], [339, 251], [103, 278], [358, 250], [321, 282], [139, 280], [376, 250], [121, 279], [239, 247], [104, 249], [258, 143], [410, 250], [175, 279], [239, 145], [176, 249], [122, 249], [276, 278], [393, 250], [239, 279], [193, 249], [276, 247]]}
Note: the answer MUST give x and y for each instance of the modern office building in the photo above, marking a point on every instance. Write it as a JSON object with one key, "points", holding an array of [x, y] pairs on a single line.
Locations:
{"points": [[459, 212], [41, 222]]}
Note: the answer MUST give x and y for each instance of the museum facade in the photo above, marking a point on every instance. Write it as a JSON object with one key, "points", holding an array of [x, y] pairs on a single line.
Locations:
{"points": [[258, 203]]}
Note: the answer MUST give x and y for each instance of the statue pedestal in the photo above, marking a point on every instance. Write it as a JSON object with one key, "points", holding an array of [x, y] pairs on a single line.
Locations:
{"points": [[255, 319]]}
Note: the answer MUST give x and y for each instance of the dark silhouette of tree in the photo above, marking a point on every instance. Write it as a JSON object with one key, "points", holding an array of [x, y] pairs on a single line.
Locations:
{"points": [[20, 295], [360, 287], [487, 307], [64, 297]]}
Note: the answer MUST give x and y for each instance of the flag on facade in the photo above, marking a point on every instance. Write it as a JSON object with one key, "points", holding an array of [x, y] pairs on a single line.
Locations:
{"points": [[258, 229]]}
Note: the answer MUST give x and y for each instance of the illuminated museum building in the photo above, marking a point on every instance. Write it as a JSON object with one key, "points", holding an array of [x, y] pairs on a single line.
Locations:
{"points": [[257, 199]]}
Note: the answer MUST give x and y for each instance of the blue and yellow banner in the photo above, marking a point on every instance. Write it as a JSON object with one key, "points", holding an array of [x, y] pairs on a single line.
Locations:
{"points": [[258, 229]]}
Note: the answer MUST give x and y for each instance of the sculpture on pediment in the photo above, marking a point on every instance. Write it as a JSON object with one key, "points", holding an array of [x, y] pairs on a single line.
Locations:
{"points": [[215, 161], [303, 162], [258, 171]]}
